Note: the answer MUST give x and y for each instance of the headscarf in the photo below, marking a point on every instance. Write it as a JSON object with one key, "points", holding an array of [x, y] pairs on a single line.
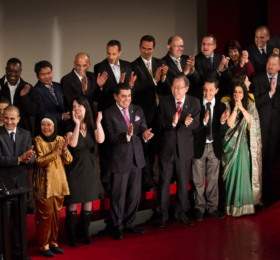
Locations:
{"points": [[51, 119]]}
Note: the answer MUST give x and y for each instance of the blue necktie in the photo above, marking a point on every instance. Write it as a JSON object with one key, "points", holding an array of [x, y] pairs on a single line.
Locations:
{"points": [[12, 139], [264, 55], [211, 61]]}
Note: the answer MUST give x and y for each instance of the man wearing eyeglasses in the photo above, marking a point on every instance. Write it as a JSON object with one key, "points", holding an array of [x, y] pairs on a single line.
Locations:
{"points": [[178, 63], [212, 65]]}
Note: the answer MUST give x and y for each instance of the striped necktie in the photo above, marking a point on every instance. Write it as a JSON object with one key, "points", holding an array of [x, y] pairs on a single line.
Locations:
{"points": [[148, 65]]}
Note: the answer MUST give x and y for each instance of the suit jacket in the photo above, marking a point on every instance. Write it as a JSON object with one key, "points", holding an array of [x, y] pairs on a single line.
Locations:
{"points": [[26, 104], [173, 71], [106, 98], [275, 41], [122, 152], [47, 105], [12, 174], [218, 130], [205, 71], [181, 135], [145, 89], [72, 88], [268, 108], [256, 58]]}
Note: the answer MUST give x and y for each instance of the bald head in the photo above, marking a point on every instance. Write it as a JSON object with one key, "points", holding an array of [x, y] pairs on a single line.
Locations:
{"points": [[175, 46], [82, 63]]}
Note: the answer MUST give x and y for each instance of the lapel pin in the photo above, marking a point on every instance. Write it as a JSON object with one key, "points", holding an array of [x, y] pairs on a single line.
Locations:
{"points": [[186, 106], [131, 111]]}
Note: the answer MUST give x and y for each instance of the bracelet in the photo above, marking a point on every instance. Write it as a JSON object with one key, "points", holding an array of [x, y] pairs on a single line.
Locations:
{"points": [[64, 150], [243, 110], [235, 110]]}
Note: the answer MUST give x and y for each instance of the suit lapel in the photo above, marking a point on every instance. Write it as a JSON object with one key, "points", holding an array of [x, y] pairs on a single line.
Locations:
{"points": [[58, 97], [172, 63], [48, 94], [184, 112], [131, 114], [206, 63], [77, 83], [258, 54], [216, 61], [8, 140], [120, 117], [183, 62], [110, 72], [144, 68], [18, 141]]}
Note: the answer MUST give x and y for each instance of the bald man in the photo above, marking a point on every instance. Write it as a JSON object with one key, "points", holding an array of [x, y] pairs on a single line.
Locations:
{"points": [[261, 50], [81, 82]]}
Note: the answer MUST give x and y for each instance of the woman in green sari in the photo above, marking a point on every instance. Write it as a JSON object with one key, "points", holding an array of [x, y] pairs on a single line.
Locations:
{"points": [[242, 154]]}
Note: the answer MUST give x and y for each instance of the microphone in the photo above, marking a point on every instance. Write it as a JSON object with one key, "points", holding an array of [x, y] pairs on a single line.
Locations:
{"points": [[5, 191]]}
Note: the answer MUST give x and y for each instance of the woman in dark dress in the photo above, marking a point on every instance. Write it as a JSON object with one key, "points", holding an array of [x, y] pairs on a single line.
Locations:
{"points": [[82, 173]]}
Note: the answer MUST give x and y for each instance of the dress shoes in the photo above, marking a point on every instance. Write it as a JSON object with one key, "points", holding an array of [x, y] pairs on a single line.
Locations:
{"points": [[135, 230], [198, 216], [217, 214], [161, 223], [47, 253], [56, 250], [186, 221], [117, 234]]}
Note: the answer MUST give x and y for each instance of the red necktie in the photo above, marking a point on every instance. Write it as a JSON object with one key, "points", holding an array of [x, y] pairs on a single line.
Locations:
{"points": [[179, 109]]}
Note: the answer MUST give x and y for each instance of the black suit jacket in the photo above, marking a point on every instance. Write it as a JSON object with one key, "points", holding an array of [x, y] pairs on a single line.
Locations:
{"points": [[106, 98], [205, 71], [26, 104], [12, 174], [268, 108], [275, 41], [218, 130], [181, 135], [145, 89], [122, 152], [72, 88], [256, 58], [47, 105], [173, 71]]}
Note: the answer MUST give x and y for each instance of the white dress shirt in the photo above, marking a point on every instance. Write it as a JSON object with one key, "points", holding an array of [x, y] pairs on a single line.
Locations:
{"points": [[116, 70], [10, 131], [213, 102], [270, 77], [12, 89], [79, 76], [260, 49]]}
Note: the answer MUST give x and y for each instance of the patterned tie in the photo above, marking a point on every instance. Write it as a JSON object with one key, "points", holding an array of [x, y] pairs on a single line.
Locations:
{"points": [[264, 55], [178, 65], [125, 116], [151, 73], [117, 75], [179, 110], [12, 139], [210, 59], [51, 89], [209, 125]]}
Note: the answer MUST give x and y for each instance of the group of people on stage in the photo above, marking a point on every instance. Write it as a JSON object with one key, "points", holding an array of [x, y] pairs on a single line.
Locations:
{"points": [[193, 112]]}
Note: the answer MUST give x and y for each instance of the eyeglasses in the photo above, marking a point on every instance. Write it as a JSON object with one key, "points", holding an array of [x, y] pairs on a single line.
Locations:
{"points": [[178, 46], [176, 88], [206, 44]]}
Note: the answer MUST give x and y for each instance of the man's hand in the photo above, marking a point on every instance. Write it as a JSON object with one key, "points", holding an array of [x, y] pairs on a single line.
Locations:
{"points": [[157, 75], [191, 62], [188, 120], [122, 77], [132, 79], [272, 87], [163, 72], [56, 150], [27, 155], [66, 116], [101, 79], [243, 59], [147, 134], [224, 116], [175, 118], [24, 91], [84, 83], [99, 117], [276, 51], [130, 130], [206, 117]]}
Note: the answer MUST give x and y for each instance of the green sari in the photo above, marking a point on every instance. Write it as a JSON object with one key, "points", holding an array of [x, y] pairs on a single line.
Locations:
{"points": [[242, 162]]}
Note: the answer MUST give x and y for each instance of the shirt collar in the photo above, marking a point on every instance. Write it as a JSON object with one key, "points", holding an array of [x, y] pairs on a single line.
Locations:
{"points": [[174, 59], [80, 77], [182, 100], [145, 61], [120, 108], [118, 64], [49, 86], [9, 85], [205, 101], [275, 76], [260, 48], [9, 131], [212, 56]]}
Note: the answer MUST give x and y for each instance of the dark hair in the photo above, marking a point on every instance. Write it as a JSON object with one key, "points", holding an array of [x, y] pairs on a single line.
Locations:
{"points": [[182, 76], [14, 60], [170, 40], [121, 86], [238, 77], [88, 120], [232, 45], [114, 43], [148, 38], [4, 100], [274, 56], [212, 80], [210, 36], [263, 27], [245, 95], [40, 65]]}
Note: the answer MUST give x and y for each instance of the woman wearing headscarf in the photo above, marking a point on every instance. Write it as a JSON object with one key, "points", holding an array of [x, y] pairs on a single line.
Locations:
{"points": [[50, 183]]}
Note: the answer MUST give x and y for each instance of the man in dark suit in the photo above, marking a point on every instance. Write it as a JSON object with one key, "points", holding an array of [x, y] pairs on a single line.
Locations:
{"points": [[125, 126], [275, 41], [118, 71], [81, 82], [266, 89], [149, 87], [260, 51], [49, 97], [208, 151], [15, 153], [178, 63], [178, 117], [20, 93], [212, 65]]}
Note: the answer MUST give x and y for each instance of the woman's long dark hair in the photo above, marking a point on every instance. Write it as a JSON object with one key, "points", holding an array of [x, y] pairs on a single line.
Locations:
{"points": [[88, 119], [245, 95]]}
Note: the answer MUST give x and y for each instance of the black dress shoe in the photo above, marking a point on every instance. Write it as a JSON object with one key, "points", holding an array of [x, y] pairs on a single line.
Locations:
{"points": [[47, 253], [217, 214], [186, 221], [117, 234], [161, 224], [135, 230], [56, 250], [198, 216]]}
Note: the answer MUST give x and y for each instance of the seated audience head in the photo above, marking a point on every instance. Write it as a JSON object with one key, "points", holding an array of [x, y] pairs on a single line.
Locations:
{"points": [[239, 92], [13, 71], [43, 70], [4, 102], [233, 51], [180, 86], [49, 128], [273, 64], [147, 46], [113, 51], [11, 117], [261, 36], [210, 89], [243, 78], [175, 46], [122, 95], [82, 63], [208, 44]]}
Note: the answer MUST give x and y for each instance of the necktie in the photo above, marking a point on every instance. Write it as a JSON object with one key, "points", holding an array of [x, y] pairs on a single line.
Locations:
{"points": [[148, 65], [117, 75], [264, 55], [12, 139], [210, 59], [209, 125], [51, 89], [178, 65], [125, 116], [179, 110]]}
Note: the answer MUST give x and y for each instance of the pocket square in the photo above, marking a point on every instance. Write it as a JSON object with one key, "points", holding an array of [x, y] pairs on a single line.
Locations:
{"points": [[137, 118]]}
